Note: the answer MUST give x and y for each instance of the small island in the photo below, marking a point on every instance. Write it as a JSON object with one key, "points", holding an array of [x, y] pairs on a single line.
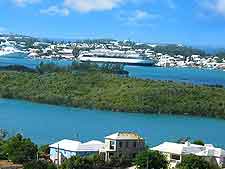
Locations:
{"points": [[108, 87]]}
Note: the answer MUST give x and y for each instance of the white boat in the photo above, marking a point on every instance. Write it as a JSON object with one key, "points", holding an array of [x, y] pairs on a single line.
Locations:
{"points": [[109, 56]]}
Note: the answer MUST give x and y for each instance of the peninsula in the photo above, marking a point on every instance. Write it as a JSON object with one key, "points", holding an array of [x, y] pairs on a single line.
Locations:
{"points": [[107, 87]]}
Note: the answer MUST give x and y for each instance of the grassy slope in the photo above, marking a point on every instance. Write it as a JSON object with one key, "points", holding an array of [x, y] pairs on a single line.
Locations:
{"points": [[109, 92]]}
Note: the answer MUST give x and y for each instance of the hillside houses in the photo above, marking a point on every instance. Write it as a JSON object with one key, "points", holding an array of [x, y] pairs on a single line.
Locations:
{"points": [[121, 144], [176, 151], [129, 144], [161, 54]]}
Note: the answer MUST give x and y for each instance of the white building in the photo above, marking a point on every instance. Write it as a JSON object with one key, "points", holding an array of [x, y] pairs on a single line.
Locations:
{"points": [[122, 144], [174, 152], [66, 53], [65, 149]]}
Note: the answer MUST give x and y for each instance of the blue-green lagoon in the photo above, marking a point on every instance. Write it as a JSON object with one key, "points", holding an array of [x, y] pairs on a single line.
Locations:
{"points": [[47, 124]]}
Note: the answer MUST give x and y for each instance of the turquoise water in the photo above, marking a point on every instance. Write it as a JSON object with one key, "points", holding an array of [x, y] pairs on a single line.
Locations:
{"points": [[47, 124], [22, 59], [187, 75]]}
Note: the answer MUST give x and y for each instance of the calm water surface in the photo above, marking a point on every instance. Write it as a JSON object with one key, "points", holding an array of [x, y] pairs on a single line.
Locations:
{"points": [[47, 124], [187, 75]]}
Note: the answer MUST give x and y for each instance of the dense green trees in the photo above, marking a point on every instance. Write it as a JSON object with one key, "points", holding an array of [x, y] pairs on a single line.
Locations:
{"points": [[78, 163], [151, 159], [178, 50], [19, 68], [18, 149], [199, 142], [89, 86], [39, 165], [195, 162], [94, 162]]}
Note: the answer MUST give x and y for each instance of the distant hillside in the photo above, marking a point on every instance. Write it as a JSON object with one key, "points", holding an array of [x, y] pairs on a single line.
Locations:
{"points": [[170, 49]]}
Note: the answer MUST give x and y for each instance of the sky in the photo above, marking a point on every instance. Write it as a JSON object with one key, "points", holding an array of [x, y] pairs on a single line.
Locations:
{"points": [[192, 22]]}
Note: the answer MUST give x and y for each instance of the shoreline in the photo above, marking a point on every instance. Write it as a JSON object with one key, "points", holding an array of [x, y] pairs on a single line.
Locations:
{"points": [[182, 116], [130, 98], [166, 67], [26, 111]]}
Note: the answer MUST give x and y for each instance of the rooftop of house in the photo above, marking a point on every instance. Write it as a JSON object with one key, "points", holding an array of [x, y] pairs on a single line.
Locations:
{"points": [[188, 148], [77, 146], [124, 136]]}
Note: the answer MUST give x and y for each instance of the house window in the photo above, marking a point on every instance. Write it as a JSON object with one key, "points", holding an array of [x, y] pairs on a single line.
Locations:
{"points": [[134, 144], [112, 145], [175, 157], [127, 144], [120, 144], [110, 155]]}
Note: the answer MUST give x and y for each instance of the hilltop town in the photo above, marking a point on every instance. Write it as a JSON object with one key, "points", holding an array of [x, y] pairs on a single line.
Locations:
{"points": [[166, 55]]}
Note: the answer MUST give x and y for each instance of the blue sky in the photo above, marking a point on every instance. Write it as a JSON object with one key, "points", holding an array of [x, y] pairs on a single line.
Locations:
{"points": [[192, 22]]}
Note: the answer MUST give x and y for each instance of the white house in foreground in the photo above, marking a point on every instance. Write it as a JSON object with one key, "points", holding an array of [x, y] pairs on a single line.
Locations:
{"points": [[65, 149], [122, 144], [174, 152]]}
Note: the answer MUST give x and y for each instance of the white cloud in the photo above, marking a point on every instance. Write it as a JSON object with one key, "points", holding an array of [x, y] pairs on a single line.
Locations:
{"points": [[25, 2], [92, 5], [216, 6], [55, 10], [138, 17]]}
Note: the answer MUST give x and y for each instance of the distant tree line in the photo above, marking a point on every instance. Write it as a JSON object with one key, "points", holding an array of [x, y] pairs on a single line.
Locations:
{"points": [[74, 67]]}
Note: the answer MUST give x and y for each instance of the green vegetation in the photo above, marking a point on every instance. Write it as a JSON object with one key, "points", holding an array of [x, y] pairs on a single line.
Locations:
{"points": [[196, 162], [99, 87], [94, 162], [18, 149], [39, 165], [178, 50], [22, 151], [220, 55], [151, 159], [3, 134], [43, 151], [199, 142], [78, 163]]}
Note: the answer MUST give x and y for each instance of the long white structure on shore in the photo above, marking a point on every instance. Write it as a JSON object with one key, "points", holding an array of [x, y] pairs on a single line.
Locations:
{"points": [[115, 56]]}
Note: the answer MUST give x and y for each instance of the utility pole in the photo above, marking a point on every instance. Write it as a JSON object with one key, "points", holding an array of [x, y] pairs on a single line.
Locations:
{"points": [[58, 157], [37, 156]]}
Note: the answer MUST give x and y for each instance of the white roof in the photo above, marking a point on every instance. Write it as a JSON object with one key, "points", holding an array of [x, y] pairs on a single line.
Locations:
{"points": [[167, 147], [65, 144], [124, 136], [188, 148], [91, 146], [76, 146]]}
